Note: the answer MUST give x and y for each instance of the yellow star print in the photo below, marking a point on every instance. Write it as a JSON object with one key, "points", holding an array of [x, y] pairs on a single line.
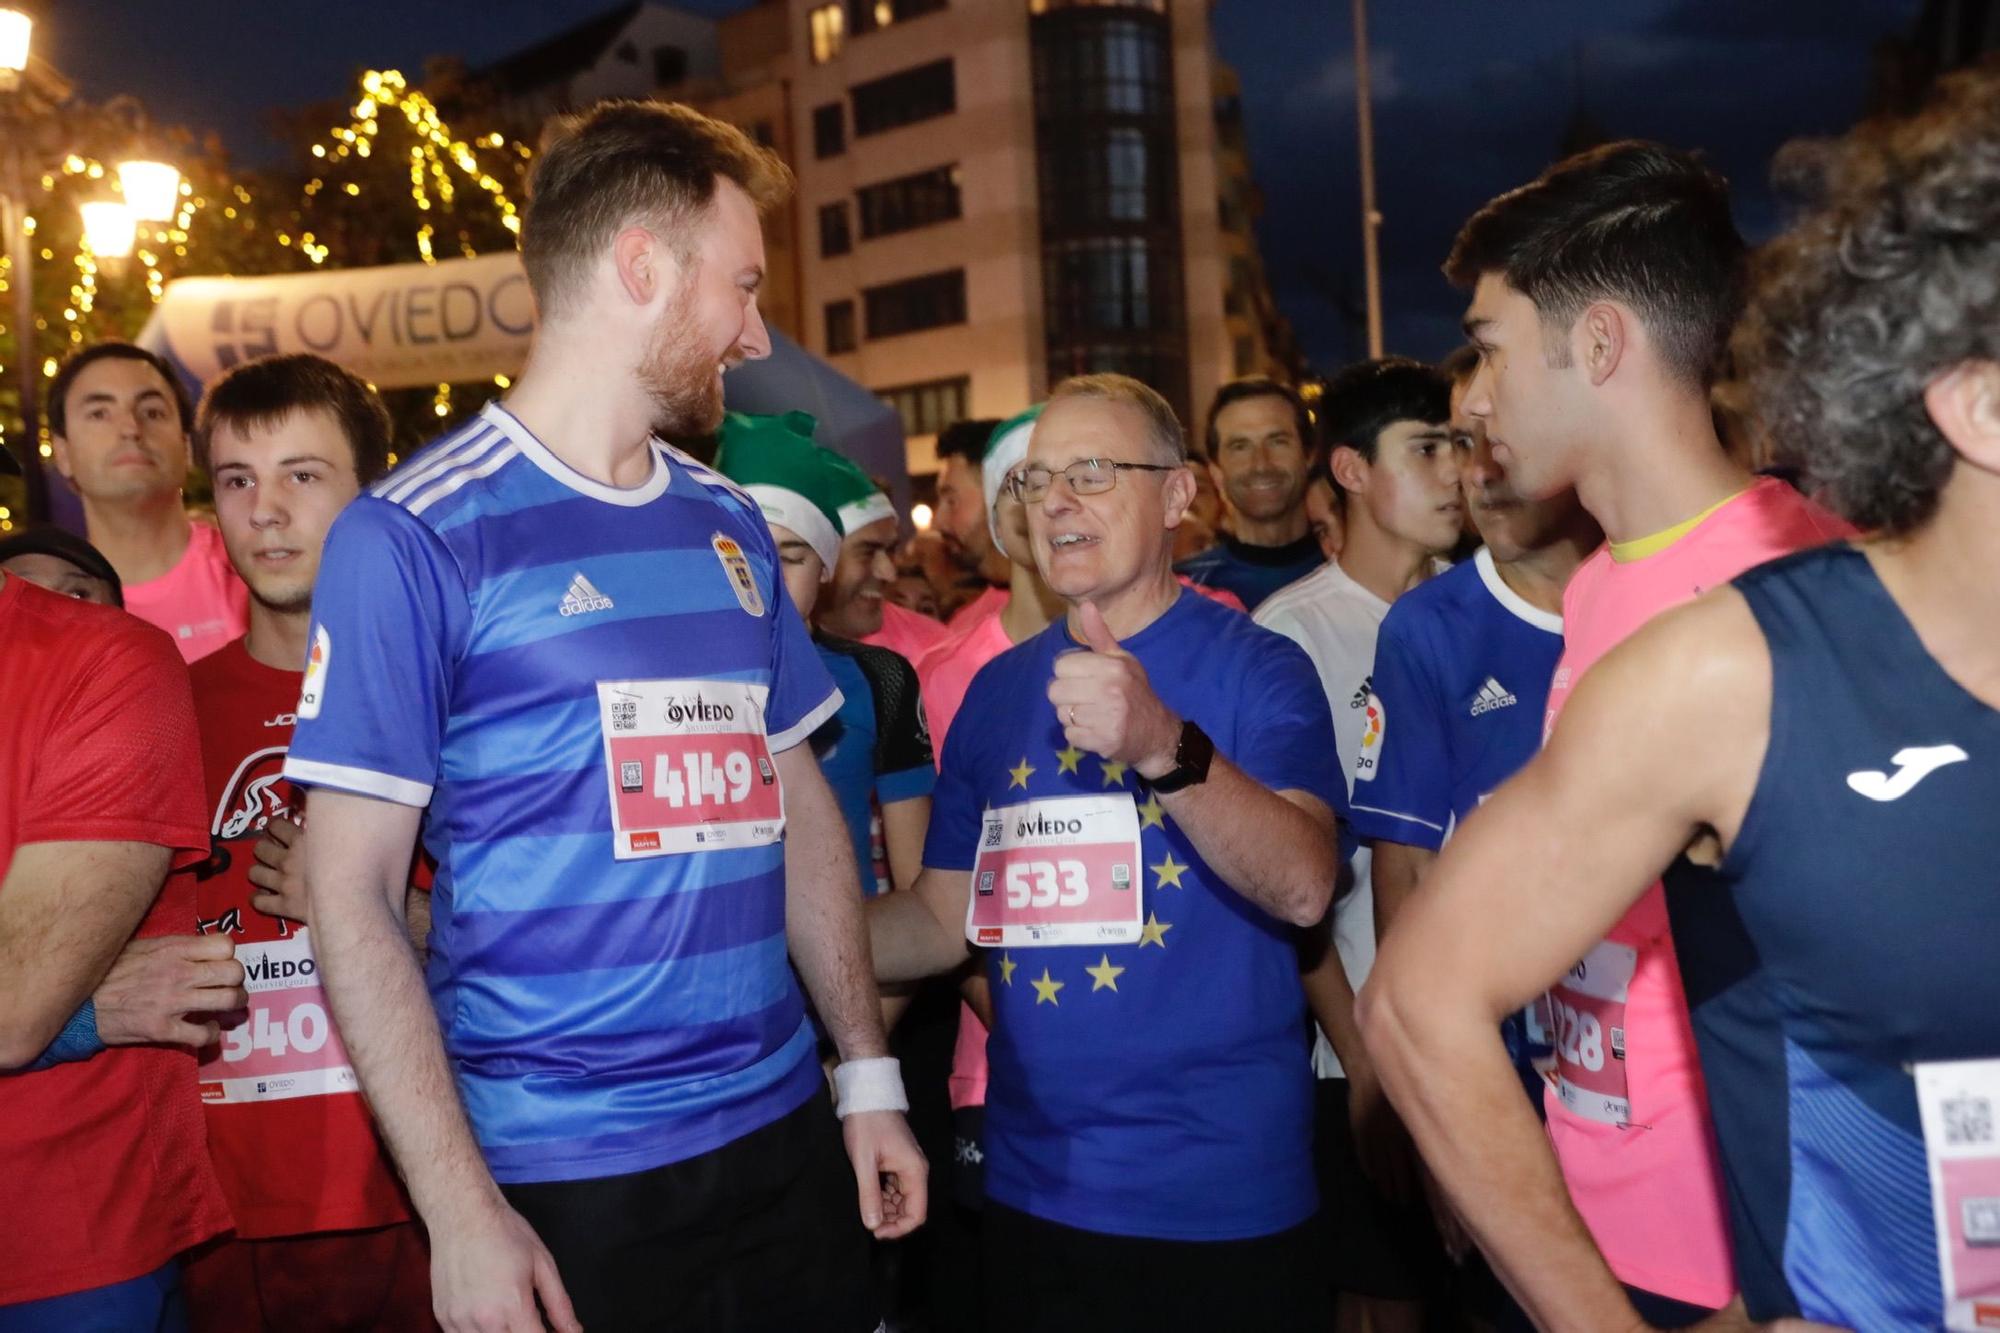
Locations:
{"points": [[1154, 932], [1046, 988], [1021, 773], [1068, 757], [1114, 772], [1152, 814], [1169, 872], [1104, 976], [1007, 966]]}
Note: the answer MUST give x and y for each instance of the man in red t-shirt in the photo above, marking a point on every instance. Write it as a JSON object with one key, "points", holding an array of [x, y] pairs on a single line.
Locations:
{"points": [[103, 1174], [323, 1232]]}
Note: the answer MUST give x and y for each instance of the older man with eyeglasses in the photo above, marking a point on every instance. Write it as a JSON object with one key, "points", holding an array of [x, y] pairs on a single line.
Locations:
{"points": [[1155, 775]]}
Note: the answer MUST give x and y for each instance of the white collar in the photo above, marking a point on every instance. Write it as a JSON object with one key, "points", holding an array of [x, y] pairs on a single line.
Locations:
{"points": [[540, 455]]}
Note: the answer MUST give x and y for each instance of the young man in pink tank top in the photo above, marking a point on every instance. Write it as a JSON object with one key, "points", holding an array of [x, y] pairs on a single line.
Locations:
{"points": [[1602, 294]]}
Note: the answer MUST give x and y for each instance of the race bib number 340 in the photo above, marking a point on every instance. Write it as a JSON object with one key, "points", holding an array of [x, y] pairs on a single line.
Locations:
{"points": [[689, 767], [1059, 871], [285, 1045]]}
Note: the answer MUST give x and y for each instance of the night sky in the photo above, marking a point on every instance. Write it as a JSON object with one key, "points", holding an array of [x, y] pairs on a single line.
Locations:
{"points": [[1471, 97]]}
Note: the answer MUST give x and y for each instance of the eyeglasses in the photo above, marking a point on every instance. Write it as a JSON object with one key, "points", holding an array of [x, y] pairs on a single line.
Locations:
{"points": [[1086, 476]]}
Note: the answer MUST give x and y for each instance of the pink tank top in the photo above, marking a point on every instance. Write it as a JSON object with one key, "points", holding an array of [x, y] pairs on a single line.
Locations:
{"points": [[1629, 1116]]}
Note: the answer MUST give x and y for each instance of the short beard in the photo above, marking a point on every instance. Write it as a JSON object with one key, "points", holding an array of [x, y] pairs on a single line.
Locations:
{"points": [[679, 374]]}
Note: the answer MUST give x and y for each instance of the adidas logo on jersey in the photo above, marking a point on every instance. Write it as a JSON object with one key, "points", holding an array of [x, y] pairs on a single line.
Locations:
{"points": [[583, 598], [1492, 695]]}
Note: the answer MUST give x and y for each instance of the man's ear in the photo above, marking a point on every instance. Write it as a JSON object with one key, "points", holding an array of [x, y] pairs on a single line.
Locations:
{"points": [[1349, 468], [1598, 340], [1178, 493], [59, 455], [1964, 404], [642, 264]]}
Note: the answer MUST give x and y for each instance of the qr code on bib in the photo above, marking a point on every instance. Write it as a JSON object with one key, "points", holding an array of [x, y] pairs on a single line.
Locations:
{"points": [[1968, 1121], [624, 715]]}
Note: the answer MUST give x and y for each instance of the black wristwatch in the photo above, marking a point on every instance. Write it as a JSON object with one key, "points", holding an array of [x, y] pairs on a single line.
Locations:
{"points": [[1191, 760]]}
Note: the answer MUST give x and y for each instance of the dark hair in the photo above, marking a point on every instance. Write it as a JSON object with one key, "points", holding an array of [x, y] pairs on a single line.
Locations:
{"points": [[265, 392], [1460, 365], [59, 387], [623, 161], [1891, 278], [1260, 386], [1635, 222], [1368, 397], [967, 440]]}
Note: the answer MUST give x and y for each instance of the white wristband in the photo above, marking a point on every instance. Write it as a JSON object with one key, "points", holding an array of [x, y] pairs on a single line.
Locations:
{"points": [[868, 1085]]}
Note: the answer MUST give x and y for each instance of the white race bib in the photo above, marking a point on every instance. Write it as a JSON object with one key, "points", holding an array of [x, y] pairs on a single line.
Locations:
{"points": [[1588, 1007], [689, 766], [1058, 871], [1959, 1102], [286, 1046]]}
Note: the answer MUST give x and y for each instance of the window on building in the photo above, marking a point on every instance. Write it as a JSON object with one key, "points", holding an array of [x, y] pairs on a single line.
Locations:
{"points": [[927, 409], [909, 202], [905, 98], [826, 30], [839, 327], [1120, 65], [868, 15], [670, 65], [829, 130], [1045, 6], [929, 302], [1102, 285], [834, 236], [1246, 356]]}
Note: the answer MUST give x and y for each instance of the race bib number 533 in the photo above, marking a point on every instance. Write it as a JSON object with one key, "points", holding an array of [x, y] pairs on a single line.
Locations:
{"points": [[689, 767], [1063, 870]]}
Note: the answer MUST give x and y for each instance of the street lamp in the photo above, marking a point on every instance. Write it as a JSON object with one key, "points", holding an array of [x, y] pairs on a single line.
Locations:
{"points": [[16, 28], [109, 228], [152, 190]]}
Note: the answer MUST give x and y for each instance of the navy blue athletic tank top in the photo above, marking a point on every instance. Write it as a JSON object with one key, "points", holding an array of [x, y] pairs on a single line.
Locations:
{"points": [[1852, 932]]}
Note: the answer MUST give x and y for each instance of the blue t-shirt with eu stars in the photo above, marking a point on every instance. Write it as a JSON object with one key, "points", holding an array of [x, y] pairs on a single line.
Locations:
{"points": [[1160, 1089]]}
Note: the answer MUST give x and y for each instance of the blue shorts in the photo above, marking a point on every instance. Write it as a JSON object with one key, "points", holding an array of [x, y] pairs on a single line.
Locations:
{"points": [[147, 1304]]}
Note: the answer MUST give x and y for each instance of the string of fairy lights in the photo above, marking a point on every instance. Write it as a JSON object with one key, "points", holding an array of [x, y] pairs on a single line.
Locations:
{"points": [[443, 168]]}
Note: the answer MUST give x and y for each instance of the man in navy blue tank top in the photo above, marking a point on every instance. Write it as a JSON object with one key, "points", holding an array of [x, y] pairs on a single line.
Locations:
{"points": [[1815, 751]]}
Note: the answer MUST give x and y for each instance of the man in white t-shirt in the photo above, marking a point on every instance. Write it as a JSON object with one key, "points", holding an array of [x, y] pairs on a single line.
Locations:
{"points": [[1392, 459]]}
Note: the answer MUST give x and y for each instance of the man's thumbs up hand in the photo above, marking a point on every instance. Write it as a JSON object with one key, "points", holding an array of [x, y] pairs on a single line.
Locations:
{"points": [[1106, 704]]}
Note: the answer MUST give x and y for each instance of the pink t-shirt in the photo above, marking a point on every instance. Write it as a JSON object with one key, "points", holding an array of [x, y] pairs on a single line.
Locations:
{"points": [[1650, 1189], [945, 673], [988, 603], [200, 602], [906, 633]]}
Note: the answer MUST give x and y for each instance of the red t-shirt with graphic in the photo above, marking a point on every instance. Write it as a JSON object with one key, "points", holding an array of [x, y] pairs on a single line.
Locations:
{"points": [[292, 1139], [103, 1172]]}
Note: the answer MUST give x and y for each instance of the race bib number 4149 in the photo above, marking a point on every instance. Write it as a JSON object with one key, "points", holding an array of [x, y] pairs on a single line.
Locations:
{"points": [[689, 766], [1063, 870]]}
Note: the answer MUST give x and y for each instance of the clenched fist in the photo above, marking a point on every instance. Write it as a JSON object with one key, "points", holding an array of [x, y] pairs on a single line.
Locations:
{"points": [[157, 984]]}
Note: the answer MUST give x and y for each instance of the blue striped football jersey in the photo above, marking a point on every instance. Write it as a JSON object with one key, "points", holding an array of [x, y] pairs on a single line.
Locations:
{"points": [[585, 685]]}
